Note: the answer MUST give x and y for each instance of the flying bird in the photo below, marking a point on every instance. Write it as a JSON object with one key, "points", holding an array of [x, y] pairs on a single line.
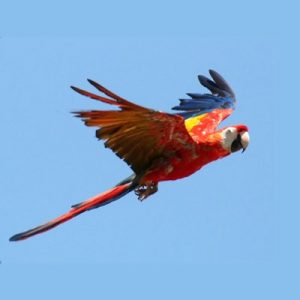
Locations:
{"points": [[158, 146]]}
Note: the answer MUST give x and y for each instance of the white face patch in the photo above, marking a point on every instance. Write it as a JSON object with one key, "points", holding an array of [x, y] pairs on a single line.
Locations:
{"points": [[228, 136]]}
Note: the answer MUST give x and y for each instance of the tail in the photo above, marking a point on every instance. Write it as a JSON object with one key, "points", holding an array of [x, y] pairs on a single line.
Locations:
{"points": [[107, 197]]}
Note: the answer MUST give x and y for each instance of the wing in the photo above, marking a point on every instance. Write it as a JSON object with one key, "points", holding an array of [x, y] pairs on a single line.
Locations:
{"points": [[135, 133], [140, 135], [204, 112]]}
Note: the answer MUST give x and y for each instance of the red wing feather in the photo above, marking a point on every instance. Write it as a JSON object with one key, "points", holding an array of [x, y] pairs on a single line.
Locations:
{"points": [[135, 133], [116, 100]]}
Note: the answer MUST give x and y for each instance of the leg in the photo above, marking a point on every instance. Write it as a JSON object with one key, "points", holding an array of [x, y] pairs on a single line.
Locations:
{"points": [[145, 190]]}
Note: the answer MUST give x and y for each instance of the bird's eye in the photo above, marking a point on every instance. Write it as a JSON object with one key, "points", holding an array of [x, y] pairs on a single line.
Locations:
{"points": [[229, 131]]}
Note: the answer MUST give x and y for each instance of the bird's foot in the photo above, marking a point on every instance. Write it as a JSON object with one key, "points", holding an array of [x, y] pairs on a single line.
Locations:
{"points": [[145, 190]]}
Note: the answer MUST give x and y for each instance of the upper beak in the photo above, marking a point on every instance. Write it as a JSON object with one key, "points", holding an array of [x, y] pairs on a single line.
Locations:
{"points": [[245, 139]]}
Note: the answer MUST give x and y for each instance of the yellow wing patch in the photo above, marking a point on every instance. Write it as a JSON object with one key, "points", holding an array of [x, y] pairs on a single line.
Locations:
{"points": [[190, 123]]}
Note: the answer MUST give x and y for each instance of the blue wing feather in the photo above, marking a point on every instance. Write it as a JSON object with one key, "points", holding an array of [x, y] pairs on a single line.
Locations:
{"points": [[221, 97]]}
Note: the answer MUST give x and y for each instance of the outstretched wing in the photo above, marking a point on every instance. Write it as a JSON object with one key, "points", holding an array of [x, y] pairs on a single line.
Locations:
{"points": [[204, 112], [140, 135], [135, 133]]}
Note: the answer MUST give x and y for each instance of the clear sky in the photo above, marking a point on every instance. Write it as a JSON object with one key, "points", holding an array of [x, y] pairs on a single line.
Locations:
{"points": [[214, 235]]}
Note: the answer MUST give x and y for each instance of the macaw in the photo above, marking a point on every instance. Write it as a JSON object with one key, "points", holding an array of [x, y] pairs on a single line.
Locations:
{"points": [[158, 146]]}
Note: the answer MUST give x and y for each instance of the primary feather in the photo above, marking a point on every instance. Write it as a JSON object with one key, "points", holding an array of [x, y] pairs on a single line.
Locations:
{"points": [[222, 97]]}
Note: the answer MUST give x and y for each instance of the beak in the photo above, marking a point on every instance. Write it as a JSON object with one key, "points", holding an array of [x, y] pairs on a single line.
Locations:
{"points": [[245, 139]]}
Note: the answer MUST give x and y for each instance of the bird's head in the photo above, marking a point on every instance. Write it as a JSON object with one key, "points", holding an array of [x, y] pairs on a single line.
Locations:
{"points": [[235, 138]]}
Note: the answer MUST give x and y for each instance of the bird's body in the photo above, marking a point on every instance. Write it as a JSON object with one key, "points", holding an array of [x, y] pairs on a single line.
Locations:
{"points": [[191, 158], [159, 146]]}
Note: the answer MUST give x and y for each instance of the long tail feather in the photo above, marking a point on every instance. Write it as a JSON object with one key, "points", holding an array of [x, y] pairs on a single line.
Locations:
{"points": [[100, 200]]}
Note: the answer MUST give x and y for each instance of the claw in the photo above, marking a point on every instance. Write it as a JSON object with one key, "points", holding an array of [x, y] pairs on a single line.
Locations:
{"points": [[145, 190]]}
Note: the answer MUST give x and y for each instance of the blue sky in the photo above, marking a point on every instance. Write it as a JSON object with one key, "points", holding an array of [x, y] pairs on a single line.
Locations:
{"points": [[216, 234]]}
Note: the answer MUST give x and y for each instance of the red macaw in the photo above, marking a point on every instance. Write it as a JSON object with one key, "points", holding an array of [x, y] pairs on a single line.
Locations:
{"points": [[158, 146]]}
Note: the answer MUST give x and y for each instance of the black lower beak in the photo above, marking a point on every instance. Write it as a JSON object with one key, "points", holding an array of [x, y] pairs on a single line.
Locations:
{"points": [[237, 145]]}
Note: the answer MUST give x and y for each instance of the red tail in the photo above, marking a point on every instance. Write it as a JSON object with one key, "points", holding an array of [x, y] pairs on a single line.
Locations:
{"points": [[94, 202]]}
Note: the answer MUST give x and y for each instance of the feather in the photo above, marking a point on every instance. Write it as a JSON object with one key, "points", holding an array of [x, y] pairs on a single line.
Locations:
{"points": [[221, 97]]}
